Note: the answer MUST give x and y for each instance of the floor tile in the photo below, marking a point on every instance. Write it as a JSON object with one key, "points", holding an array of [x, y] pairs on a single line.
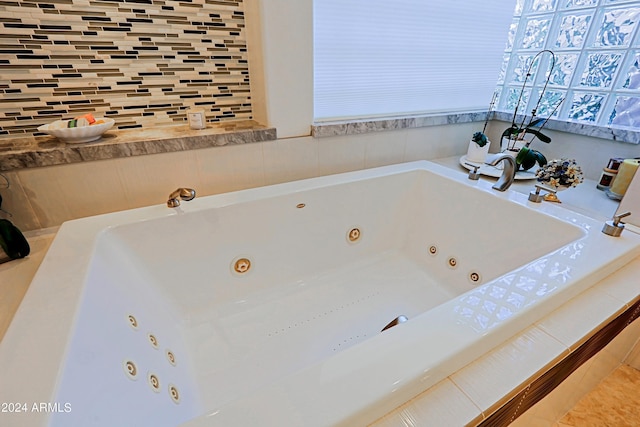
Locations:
{"points": [[613, 402]]}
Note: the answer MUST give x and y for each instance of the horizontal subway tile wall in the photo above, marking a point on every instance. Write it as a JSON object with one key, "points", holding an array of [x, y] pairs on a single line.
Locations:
{"points": [[140, 62]]}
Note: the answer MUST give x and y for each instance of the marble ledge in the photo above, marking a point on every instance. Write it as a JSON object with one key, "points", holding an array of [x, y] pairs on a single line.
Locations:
{"points": [[579, 128], [355, 127], [49, 151]]}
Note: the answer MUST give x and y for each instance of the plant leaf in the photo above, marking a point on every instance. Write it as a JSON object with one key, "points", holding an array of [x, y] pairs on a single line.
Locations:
{"points": [[536, 122], [522, 154], [529, 160], [542, 137], [542, 160], [510, 131], [480, 139]]}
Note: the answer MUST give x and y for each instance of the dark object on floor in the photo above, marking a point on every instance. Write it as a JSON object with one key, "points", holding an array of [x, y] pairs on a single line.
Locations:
{"points": [[12, 242]]}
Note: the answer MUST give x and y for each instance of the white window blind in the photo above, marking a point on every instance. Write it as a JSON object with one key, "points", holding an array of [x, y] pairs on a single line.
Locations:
{"points": [[383, 58]]}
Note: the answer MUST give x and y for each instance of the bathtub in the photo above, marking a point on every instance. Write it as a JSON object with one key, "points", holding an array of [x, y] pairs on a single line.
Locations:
{"points": [[266, 306]]}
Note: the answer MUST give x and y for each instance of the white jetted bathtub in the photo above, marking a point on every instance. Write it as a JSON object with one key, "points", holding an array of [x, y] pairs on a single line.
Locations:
{"points": [[265, 307]]}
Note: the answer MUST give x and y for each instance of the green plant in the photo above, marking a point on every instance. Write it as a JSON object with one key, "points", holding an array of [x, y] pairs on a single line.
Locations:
{"points": [[527, 157], [480, 139]]}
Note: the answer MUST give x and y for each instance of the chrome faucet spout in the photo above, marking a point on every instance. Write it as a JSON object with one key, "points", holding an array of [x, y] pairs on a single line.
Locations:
{"points": [[508, 170], [181, 193]]}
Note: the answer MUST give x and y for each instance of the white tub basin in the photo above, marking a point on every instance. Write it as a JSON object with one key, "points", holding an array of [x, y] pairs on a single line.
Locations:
{"points": [[256, 308]]}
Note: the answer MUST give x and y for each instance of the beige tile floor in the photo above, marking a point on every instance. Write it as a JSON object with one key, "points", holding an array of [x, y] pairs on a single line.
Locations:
{"points": [[615, 402]]}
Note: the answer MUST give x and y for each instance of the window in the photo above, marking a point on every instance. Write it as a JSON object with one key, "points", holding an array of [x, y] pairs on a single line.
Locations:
{"points": [[597, 71], [386, 58]]}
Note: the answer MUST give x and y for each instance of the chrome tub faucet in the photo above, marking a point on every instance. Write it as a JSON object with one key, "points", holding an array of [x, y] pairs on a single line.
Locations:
{"points": [[181, 193], [508, 170]]}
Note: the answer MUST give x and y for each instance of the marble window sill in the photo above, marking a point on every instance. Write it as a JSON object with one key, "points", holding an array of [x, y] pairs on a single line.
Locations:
{"points": [[21, 153], [355, 127]]}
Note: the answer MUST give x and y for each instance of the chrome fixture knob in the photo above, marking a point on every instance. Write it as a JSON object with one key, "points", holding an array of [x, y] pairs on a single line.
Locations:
{"points": [[474, 174], [536, 197], [181, 193], [614, 228]]}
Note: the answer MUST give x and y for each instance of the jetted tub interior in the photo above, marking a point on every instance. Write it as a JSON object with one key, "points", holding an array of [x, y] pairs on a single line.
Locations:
{"points": [[187, 311]]}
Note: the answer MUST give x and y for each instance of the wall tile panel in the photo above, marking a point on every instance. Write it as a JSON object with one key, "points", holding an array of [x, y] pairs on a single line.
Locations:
{"points": [[141, 62]]}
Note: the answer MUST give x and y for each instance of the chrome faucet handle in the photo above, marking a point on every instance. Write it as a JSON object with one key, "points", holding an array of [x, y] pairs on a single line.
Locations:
{"points": [[474, 174], [536, 197], [182, 193], [614, 228]]}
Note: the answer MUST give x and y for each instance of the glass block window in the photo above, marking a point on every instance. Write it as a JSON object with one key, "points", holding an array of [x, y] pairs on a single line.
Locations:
{"points": [[550, 99], [572, 32], [535, 33], [596, 78], [626, 112], [633, 75], [562, 72], [600, 69], [617, 27]]}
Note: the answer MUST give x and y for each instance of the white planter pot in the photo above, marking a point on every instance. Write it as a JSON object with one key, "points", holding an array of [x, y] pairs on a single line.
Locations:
{"points": [[513, 153], [508, 145], [477, 154]]}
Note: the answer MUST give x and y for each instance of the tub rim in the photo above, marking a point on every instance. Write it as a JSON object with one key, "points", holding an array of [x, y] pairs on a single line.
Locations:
{"points": [[55, 294]]}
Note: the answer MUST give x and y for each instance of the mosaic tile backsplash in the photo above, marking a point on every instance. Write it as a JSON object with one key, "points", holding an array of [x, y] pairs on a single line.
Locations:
{"points": [[140, 62]]}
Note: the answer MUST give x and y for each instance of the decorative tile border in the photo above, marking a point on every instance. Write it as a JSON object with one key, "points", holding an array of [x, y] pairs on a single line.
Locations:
{"points": [[552, 376], [140, 62], [127, 143]]}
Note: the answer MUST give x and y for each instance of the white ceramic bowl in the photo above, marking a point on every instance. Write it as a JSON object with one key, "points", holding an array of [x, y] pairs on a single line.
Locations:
{"points": [[79, 134]]}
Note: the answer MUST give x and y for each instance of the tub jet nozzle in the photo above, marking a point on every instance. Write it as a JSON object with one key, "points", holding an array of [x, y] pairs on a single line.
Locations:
{"points": [[394, 322]]}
